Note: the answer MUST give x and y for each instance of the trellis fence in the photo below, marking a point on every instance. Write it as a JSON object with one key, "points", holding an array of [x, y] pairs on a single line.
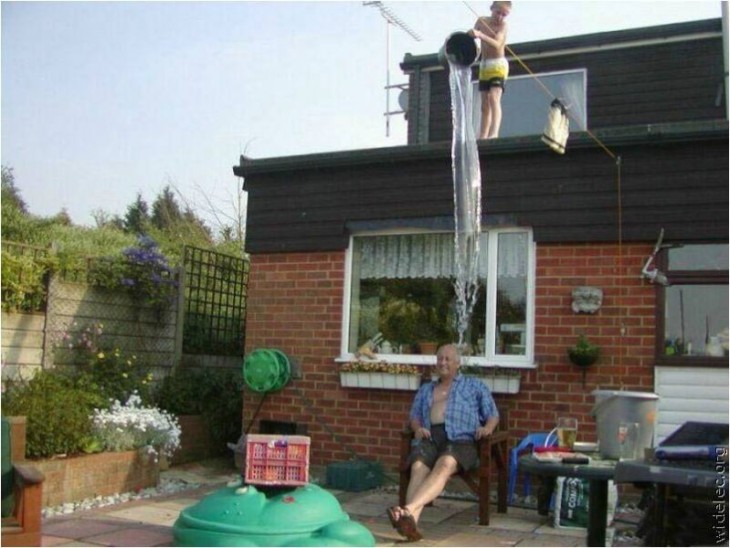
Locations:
{"points": [[209, 312]]}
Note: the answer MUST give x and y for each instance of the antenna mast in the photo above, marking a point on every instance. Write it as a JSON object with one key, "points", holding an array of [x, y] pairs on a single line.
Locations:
{"points": [[391, 19]]}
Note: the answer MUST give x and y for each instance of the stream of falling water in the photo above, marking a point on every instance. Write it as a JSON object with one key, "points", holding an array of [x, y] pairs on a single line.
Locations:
{"points": [[467, 197]]}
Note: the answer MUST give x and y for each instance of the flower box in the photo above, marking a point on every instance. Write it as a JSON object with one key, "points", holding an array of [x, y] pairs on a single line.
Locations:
{"points": [[382, 375], [502, 385], [76, 478], [386, 381]]}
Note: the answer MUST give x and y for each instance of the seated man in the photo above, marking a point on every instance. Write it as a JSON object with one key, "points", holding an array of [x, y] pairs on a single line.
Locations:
{"points": [[447, 416]]}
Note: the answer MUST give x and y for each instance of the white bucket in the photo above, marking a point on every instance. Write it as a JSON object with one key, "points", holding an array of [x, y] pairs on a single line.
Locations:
{"points": [[614, 407]]}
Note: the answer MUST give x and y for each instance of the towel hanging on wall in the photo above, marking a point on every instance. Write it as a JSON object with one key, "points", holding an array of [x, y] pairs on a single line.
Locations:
{"points": [[555, 134]]}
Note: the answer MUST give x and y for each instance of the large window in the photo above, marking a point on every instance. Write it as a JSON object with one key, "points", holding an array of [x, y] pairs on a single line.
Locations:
{"points": [[401, 286], [526, 104], [693, 311]]}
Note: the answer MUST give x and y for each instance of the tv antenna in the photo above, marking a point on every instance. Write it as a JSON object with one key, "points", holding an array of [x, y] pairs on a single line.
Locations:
{"points": [[392, 19]]}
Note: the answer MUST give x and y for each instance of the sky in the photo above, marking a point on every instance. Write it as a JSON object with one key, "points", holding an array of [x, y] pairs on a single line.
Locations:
{"points": [[105, 100]]}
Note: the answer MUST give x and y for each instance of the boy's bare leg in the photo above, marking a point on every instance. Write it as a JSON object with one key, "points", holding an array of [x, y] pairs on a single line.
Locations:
{"points": [[486, 116], [494, 98], [431, 486]]}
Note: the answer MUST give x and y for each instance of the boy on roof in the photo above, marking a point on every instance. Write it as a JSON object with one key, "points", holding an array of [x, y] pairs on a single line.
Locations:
{"points": [[493, 66]]}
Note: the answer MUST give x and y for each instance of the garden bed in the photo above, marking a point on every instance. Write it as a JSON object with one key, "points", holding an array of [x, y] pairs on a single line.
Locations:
{"points": [[100, 474]]}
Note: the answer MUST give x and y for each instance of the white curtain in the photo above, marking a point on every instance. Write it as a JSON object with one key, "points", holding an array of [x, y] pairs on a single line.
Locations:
{"points": [[406, 256], [432, 256], [512, 261]]}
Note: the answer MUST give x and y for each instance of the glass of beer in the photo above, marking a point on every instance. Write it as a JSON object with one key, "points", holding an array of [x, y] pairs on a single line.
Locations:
{"points": [[628, 438], [567, 432]]}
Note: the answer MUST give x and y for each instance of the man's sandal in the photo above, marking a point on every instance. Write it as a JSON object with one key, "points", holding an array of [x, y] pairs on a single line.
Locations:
{"points": [[407, 527], [393, 515]]}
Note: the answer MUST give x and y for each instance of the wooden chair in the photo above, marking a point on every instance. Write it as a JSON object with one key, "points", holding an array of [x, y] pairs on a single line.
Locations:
{"points": [[492, 450], [22, 498]]}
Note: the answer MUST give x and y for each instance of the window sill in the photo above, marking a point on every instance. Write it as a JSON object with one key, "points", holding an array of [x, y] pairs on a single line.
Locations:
{"points": [[513, 362], [692, 361]]}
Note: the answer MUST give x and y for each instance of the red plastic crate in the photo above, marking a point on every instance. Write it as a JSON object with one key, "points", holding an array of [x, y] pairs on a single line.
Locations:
{"points": [[277, 460]]}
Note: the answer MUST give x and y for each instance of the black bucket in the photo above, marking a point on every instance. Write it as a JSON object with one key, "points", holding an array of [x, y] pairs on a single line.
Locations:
{"points": [[459, 48]]}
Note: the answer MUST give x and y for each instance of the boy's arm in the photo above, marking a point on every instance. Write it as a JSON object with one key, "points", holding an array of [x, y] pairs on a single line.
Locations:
{"points": [[497, 40], [476, 32]]}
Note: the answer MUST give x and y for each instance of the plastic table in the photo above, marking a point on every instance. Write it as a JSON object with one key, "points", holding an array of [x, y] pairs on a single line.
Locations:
{"points": [[597, 473]]}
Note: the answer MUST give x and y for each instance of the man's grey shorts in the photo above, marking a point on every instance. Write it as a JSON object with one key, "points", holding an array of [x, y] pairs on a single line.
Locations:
{"points": [[428, 451]]}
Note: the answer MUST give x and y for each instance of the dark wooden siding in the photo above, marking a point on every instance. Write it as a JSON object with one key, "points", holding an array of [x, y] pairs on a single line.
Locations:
{"points": [[679, 186], [670, 82]]}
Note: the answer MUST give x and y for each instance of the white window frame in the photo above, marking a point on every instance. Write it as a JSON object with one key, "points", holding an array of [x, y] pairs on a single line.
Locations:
{"points": [[477, 114], [526, 361]]}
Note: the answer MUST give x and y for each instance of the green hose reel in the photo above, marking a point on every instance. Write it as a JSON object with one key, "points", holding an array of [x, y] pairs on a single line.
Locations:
{"points": [[266, 370]]}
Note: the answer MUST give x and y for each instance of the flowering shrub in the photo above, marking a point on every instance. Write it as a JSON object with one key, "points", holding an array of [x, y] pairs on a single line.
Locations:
{"points": [[380, 367], [57, 406], [132, 426], [143, 271], [24, 270], [107, 369], [148, 275]]}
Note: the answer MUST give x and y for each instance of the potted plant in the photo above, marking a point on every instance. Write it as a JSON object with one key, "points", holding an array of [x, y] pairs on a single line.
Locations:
{"points": [[399, 321], [583, 354]]}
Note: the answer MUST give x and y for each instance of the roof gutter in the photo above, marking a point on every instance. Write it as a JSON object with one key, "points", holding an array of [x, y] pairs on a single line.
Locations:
{"points": [[651, 134]]}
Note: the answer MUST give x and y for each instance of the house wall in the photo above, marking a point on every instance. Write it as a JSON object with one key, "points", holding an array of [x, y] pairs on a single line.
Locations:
{"points": [[673, 181], [667, 132], [295, 305], [638, 84]]}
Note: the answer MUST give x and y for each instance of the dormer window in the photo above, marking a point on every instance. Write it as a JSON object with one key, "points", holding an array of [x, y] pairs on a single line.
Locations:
{"points": [[526, 102]]}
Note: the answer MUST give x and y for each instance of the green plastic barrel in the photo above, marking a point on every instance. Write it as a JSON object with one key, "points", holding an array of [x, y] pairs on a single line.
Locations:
{"points": [[266, 370]]}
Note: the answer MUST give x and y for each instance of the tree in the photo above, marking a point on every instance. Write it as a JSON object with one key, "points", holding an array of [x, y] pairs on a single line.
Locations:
{"points": [[228, 217], [165, 210], [16, 221], [62, 218], [11, 193], [104, 219], [137, 217]]}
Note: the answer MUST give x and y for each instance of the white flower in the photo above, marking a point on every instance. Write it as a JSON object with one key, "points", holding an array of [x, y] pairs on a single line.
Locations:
{"points": [[131, 426]]}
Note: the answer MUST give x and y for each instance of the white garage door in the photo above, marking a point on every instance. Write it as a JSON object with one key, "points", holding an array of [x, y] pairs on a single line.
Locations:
{"points": [[689, 394]]}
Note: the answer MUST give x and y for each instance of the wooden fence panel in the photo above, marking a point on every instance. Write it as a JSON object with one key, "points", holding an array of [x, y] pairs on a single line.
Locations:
{"points": [[22, 344]]}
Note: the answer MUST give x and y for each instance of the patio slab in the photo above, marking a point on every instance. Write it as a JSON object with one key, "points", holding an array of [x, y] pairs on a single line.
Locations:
{"points": [[448, 522]]}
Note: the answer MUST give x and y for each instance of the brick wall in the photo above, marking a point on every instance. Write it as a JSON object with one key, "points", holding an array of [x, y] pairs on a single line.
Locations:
{"points": [[295, 305], [77, 478], [623, 328]]}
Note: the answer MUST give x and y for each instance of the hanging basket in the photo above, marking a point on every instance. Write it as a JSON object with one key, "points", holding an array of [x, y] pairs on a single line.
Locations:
{"points": [[583, 358]]}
